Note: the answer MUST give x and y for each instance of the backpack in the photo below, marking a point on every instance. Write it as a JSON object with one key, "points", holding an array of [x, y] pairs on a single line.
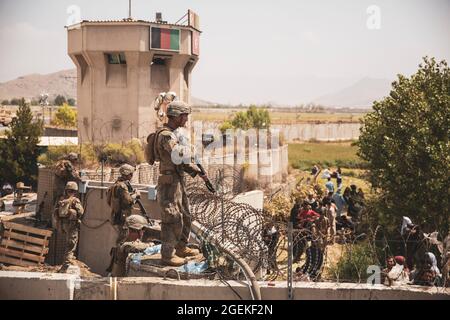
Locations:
{"points": [[60, 169], [64, 207], [151, 153]]}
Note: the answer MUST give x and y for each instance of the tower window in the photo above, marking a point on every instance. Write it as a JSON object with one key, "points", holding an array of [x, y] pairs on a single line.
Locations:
{"points": [[116, 58]]}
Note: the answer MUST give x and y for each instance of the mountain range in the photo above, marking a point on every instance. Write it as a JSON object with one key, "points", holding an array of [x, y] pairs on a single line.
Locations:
{"points": [[359, 95]]}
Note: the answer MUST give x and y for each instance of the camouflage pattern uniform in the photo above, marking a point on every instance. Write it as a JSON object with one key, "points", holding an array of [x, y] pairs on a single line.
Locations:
{"points": [[121, 197], [68, 221], [121, 252], [171, 196], [65, 171]]}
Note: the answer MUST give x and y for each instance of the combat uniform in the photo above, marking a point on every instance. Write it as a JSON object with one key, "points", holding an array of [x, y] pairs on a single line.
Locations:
{"points": [[121, 255], [172, 198], [65, 171], [68, 213], [121, 197], [121, 252]]}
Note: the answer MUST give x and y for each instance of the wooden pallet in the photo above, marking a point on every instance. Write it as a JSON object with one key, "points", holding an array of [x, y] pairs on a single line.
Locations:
{"points": [[23, 245]]}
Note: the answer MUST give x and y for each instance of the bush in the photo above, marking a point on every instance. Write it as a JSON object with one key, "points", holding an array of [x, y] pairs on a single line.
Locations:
{"points": [[353, 264], [117, 154], [5, 103]]}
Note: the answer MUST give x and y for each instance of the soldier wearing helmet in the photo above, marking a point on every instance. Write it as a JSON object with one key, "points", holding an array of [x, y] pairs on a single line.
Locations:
{"points": [[132, 233], [65, 171], [67, 220], [172, 198], [121, 195]]}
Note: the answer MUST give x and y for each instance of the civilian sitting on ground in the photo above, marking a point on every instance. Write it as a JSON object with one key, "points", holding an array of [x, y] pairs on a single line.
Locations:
{"points": [[428, 273]]}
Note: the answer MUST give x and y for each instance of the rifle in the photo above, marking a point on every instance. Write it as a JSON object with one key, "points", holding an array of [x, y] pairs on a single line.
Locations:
{"points": [[137, 201], [207, 182]]}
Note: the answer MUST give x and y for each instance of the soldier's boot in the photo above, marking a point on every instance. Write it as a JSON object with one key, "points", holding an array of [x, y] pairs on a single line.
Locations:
{"points": [[186, 252], [173, 261]]}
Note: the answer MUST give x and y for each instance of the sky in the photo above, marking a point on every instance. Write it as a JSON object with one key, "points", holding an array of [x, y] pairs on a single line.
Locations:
{"points": [[252, 51]]}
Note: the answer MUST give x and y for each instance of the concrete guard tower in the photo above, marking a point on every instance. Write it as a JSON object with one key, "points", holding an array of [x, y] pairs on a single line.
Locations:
{"points": [[122, 66]]}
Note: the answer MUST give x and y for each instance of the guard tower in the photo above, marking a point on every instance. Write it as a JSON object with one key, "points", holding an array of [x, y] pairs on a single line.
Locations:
{"points": [[122, 66]]}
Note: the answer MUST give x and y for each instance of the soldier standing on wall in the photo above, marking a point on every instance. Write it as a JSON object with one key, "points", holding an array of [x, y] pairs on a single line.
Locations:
{"points": [[121, 196], [172, 198], [67, 220]]}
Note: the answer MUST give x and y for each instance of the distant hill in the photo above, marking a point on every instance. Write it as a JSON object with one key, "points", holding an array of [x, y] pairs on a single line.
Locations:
{"points": [[31, 86], [62, 82], [359, 95]]}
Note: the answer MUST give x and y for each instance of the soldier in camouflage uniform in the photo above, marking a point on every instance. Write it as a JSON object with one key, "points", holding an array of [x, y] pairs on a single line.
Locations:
{"points": [[171, 196], [65, 171], [67, 220], [121, 196], [132, 233]]}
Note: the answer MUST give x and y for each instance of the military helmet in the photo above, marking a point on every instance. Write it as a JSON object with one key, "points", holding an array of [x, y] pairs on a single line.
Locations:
{"points": [[72, 156], [136, 222], [72, 185], [177, 108], [126, 170]]}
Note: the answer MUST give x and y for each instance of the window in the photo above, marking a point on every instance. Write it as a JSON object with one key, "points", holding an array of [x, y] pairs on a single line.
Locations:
{"points": [[116, 58]]}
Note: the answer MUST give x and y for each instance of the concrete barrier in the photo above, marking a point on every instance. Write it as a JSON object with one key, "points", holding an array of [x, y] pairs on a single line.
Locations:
{"points": [[33, 285]]}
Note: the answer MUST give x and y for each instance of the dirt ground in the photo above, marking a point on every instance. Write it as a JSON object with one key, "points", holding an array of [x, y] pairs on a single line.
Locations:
{"points": [[85, 272]]}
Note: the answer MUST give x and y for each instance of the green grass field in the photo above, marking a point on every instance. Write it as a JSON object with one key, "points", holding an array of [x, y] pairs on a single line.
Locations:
{"points": [[281, 117], [328, 154]]}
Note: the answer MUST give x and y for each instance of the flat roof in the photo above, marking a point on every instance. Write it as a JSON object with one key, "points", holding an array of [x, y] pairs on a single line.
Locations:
{"points": [[129, 22]]}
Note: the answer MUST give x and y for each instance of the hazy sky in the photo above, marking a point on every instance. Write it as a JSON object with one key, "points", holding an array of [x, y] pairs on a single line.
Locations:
{"points": [[285, 51]]}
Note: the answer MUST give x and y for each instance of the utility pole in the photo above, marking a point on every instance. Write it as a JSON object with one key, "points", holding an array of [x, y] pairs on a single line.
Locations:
{"points": [[129, 9]]}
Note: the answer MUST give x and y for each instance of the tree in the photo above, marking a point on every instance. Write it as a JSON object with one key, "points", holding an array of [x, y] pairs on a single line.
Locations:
{"points": [[71, 102], [15, 101], [19, 151], [60, 100], [5, 102], [65, 116], [406, 143], [257, 118]]}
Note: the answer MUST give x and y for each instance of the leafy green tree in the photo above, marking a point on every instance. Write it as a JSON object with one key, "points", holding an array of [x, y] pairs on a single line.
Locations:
{"points": [[60, 100], [405, 141], [241, 121], [258, 118], [19, 151], [65, 116]]}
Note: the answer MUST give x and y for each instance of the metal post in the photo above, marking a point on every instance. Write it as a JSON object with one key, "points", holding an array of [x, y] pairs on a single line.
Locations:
{"points": [[129, 9], [290, 254], [101, 195]]}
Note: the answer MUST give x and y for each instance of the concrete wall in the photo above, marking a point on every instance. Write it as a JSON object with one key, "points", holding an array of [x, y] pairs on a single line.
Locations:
{"points": [[98, 235], [30, 285]]}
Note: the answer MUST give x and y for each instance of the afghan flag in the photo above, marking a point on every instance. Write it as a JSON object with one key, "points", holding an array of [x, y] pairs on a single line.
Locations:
{"points": [[165, 39]]}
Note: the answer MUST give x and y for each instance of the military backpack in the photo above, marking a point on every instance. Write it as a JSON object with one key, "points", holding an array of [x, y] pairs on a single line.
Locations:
{"points": [[151, 152]]}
